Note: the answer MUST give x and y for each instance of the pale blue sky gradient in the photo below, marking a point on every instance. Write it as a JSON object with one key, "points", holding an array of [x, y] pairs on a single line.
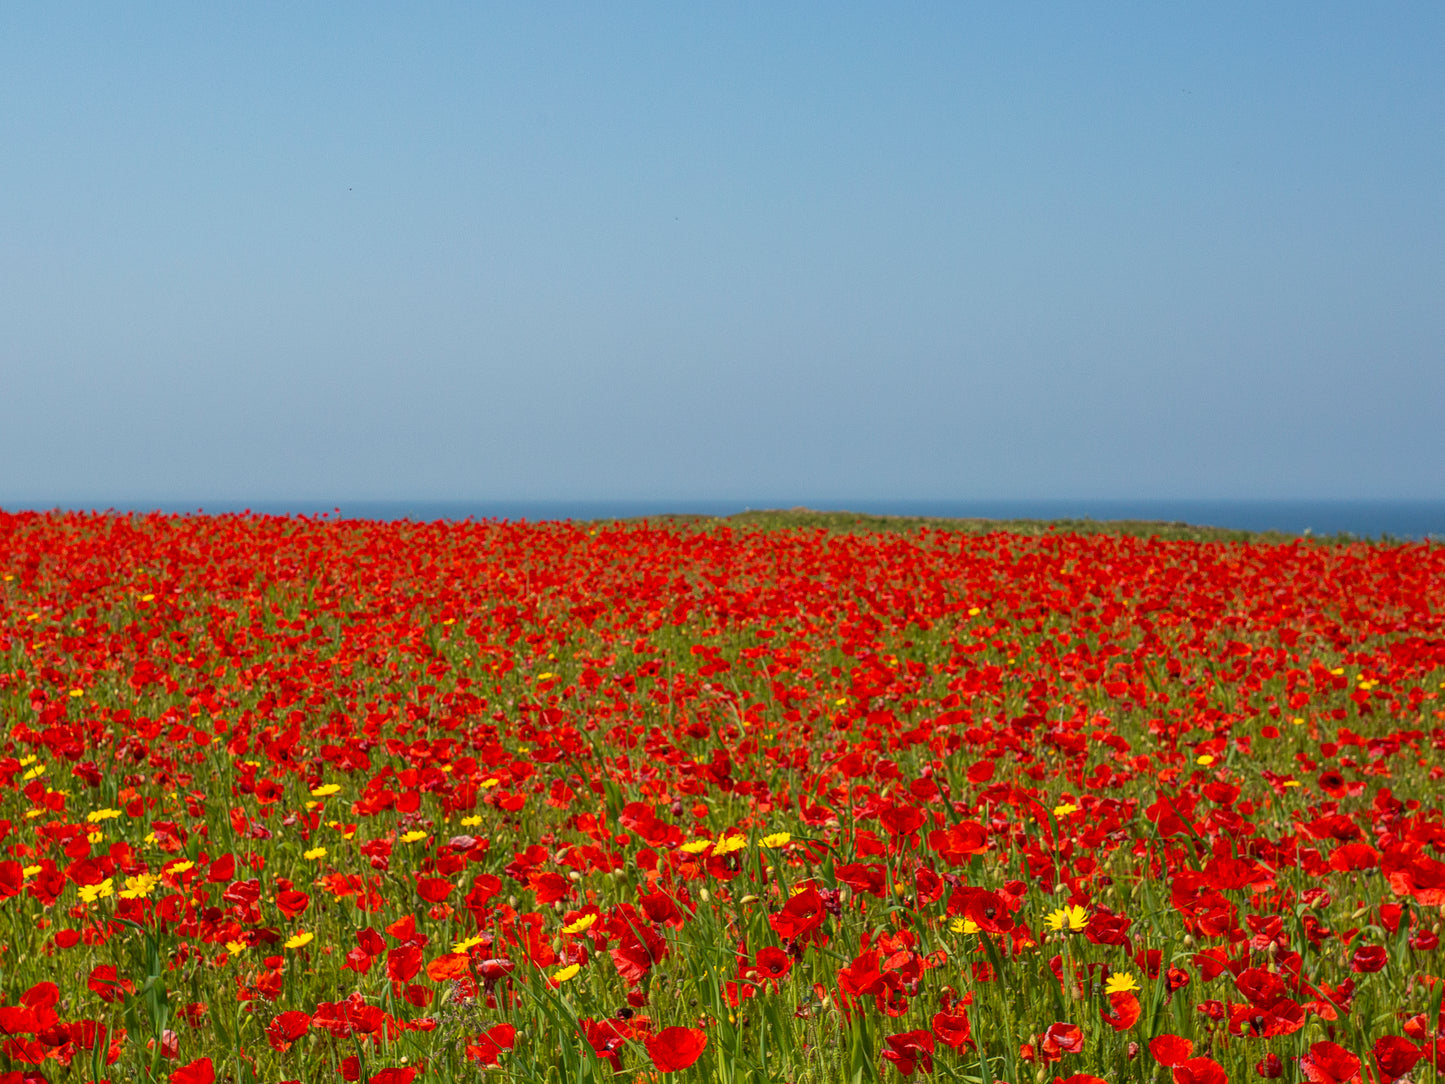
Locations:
{"points": [[802, 252]]}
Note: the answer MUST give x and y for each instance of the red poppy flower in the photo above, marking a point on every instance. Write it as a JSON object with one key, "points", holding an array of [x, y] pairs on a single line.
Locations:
{"points": [[675, 1048], [286, 1028], [1200, 1071], [1171, 1049], [952, 1029], [910, 1050], [1395, 1055], [200, 1071], [1329, 1063], [1123, 1012], [1368, 959]]}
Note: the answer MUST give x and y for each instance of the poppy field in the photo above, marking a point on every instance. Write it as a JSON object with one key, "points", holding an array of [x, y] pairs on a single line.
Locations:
{"points": [[311, 799]]}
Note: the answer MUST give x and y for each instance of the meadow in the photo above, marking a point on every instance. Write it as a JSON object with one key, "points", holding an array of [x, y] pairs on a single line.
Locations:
{"points": [[818, 800]]}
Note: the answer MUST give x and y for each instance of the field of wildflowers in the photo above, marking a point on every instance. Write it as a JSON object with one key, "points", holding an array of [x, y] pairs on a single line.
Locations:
{"points": [[314, 800]]}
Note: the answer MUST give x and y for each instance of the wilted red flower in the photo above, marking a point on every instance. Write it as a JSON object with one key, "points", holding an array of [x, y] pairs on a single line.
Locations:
{"points": [[675, 1048]]}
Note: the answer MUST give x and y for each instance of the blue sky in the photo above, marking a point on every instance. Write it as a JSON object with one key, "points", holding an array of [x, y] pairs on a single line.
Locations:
{"points": [[798, 252]]}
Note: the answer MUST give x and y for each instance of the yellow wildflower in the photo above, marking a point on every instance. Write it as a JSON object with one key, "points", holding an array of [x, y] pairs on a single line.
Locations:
{"points": [[568, 972], [1120, 982], [582, 924], [91, 893], [1072, 916], [301, 938]]}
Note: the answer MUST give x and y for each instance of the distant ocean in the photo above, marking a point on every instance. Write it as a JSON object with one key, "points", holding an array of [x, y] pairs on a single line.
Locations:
{"points": [[1414, 519]]}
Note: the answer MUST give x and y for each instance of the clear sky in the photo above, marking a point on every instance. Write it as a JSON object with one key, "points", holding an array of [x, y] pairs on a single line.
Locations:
{"points": [[788, 251]]}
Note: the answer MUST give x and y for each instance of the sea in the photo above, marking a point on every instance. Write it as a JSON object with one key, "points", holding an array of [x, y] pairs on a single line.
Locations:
{"points": [[1364, 519]]}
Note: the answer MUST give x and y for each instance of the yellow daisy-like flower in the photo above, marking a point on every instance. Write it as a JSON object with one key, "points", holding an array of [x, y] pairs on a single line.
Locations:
{"points": [[546, 675], [181, 866], [1204, 760], [568, 972], [91, 893], [235, 948], [728, 845], [1065, 809], [139, 886], [35, 772], [99, 815], [29, 871], [413, 836], [471, 822], [77, 692], [963, 925], [1120, 982], [582, 924], [777, 839], [314, 853], [1074, 917], [488, 784], [695, 846], [467, 945], [326, 790], [302, 938]]}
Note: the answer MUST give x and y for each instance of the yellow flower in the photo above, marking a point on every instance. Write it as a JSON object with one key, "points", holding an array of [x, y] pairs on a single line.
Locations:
{"points": [[963, 925], [1204, 760], [29, 871], [235, 948], [91, 893], [77, 692], [777, 839], [568, 972], [138, 886], [326, 791], [302, 938], [413, 836], [696, 846], [314, 853], [467, 945], [728, 845], [35, 772], [1073, 916], [582, 924], [181, 867], [546, 675], [488, 784], [1065, 809], [1120, 982], [102, 815], [147, 598], [471, 822]]}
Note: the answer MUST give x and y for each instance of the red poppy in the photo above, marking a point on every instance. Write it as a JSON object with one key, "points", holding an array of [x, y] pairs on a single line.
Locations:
{"points": [[285, 1028], [200, 1071], [1123, 1011], [1395, 1055], [1171, 1049], [1329, 1063], [910, 1051], [952, 1029], [1200, 1071], [675, 1048]]}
